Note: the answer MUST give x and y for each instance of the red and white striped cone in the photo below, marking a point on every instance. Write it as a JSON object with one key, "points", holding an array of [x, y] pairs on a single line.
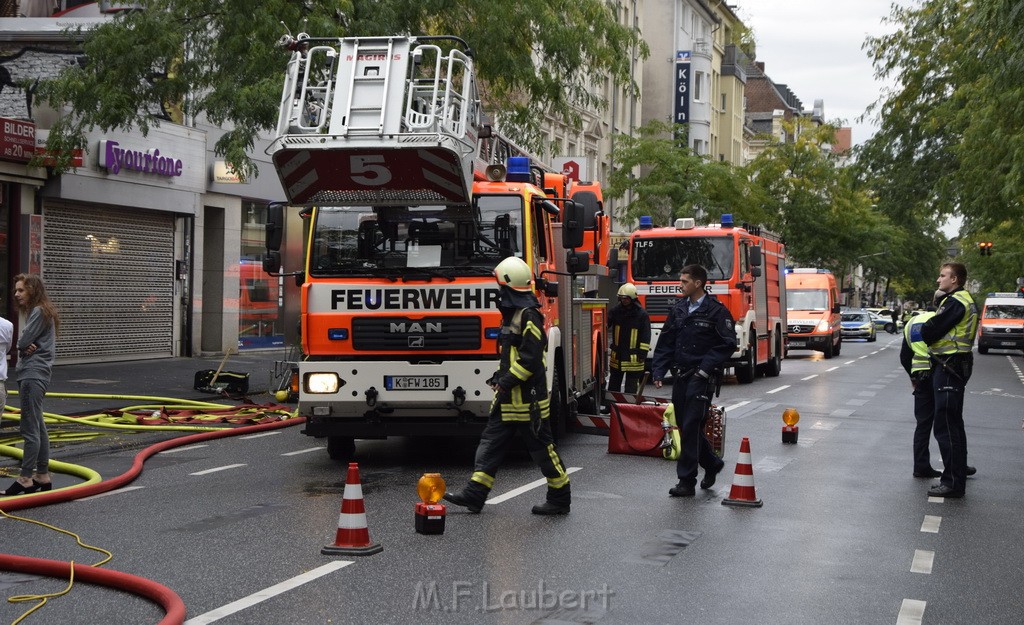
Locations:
{"points": [[353, 537], [743, 493]]}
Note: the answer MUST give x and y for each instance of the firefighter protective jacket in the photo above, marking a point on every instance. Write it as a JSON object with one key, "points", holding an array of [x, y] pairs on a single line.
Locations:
{"points": [[521, 375], [704, 339], [631, 337]]}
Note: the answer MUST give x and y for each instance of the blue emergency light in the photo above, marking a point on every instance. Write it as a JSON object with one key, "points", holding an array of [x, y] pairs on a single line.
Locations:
{"points": [[646, 223], [518, 169], [337, 334], [727, 220]]}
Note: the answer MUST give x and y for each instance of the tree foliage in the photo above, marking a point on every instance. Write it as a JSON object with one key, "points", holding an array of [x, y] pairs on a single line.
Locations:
{"points": [[218, 59], [951, 136]]}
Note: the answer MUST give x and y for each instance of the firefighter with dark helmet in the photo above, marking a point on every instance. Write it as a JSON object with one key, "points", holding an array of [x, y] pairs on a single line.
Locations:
{"points": [[629, 326], [521, 403]]}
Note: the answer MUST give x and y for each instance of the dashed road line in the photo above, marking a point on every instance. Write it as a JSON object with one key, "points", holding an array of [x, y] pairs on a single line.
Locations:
{"points": [[215, 469], [810, 377], [260, 435], [735, 406], [923, 561], [936, 499], [301, 451], [931, 524], [842, 412], [185, 448], [776, 390], [522, 489], [267, 593], [850, 362], [911, 612], [833, 368]]}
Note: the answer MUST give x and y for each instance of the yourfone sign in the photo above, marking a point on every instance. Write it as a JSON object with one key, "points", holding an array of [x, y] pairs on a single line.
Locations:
{"points": [[115, 158]]}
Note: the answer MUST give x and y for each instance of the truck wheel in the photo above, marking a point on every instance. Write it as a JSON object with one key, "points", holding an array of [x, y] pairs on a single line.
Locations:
{"points": [[830, 349], [839, 346], [774, 365], [341, 448], [746, 372], [982, 350]]}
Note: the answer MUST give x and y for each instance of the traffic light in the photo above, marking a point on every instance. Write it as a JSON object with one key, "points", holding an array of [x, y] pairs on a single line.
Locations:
{"points": [[985, 248]]}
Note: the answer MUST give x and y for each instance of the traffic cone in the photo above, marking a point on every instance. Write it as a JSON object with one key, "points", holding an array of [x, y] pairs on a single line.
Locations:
{"points": [[743, 493], [353, 537]]}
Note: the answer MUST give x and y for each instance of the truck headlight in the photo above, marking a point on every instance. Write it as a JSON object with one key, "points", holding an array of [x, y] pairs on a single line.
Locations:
{"points": [[823, 325], [322, 383]]}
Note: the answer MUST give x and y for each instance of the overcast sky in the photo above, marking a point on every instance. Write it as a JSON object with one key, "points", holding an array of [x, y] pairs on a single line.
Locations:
{"points": [[814, 47]]}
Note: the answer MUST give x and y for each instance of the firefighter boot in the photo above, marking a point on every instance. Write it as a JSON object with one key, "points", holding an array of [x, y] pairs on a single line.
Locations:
{"points": [[472, 497], [558, 502]]}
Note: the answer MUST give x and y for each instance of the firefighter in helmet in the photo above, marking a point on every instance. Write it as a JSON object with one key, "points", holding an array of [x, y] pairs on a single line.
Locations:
{"points": [[521, 403], [630, 329]]}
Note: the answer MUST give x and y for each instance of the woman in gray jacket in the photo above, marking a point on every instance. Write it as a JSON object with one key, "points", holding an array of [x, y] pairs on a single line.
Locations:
{"points": [[35, 360]]}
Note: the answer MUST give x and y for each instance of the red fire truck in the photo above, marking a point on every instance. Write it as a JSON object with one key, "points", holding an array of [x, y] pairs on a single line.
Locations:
{"points": [[408, 206], [745, 272]]}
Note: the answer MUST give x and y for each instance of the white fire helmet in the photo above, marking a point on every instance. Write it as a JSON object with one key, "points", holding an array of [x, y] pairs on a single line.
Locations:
{"points": [[628, 290], [514, 273]]}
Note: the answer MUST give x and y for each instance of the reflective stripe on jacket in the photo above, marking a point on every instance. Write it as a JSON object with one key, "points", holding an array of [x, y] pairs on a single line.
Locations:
{"points": [[521, 371], [921, 360], [631, 337], [960, 339]]}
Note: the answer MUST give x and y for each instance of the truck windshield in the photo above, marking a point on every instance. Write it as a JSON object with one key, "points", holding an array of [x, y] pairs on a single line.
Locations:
{"points": [[662, 258], [807, 299], [1004, 312], [439, 240]]}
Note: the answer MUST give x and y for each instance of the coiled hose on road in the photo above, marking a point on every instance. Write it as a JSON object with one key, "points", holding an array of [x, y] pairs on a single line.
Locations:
{"points": [[93, 484]]}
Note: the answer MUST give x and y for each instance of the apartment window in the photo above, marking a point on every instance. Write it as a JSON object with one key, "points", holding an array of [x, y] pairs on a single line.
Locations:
{"points": [[723, 102], [698, 86]]}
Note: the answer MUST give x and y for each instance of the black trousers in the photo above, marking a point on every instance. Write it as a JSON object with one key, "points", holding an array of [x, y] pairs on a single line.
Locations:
{"points": [[633, 379], [924, 414], [690, 398], [494, 444], [949, 383]]}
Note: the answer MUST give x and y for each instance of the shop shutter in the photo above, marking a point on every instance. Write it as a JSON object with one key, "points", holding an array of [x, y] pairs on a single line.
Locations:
{"points": [[111, 274]]}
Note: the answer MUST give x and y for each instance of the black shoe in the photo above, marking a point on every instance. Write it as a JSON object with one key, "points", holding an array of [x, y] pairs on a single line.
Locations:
{"points": [[710, 476], [682, 490], [929, 472], [550, 509], [971, 470], [466, 501], [941, 490], [17, 488], [42, 486]]}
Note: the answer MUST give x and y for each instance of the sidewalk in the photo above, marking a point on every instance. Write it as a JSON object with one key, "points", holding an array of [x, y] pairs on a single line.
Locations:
{"points": [[166, 377]]}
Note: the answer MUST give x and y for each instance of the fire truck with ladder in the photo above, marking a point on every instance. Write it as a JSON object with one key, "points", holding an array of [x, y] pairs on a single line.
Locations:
{"points": [[746, 272], [407, 203]]}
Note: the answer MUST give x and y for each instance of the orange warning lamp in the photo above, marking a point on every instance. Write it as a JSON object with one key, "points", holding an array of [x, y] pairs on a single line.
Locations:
{"points": [[790, 431], [430, 515]]}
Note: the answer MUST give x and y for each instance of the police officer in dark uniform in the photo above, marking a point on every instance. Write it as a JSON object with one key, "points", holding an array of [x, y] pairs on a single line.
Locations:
{"points": [[950, 339], [698, 337], [521, 403], [630, 328]]}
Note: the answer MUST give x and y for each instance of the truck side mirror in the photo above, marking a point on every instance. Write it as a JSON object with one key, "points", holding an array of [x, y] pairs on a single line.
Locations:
{"points": [[272, 262], [572, 225], [577, 262], [275, 226], [613, 258], [755, 257], [755, 271]]}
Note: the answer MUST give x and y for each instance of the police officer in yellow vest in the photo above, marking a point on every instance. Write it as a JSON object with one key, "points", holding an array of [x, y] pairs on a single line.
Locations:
{"points": [[950, 337], [521, 404], [630, 329]]}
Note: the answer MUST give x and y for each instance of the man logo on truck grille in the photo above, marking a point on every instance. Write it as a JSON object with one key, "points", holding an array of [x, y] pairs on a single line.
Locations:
{"points": [[417, 341], [426, 327]]}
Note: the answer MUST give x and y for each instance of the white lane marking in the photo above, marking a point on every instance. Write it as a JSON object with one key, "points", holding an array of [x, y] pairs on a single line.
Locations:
{"points": [[911, 612], [267, 593], [842, 412], [832, 369], [936, 499], [867, 393], [776, 390], [931, 524], [825, 425], [185, 448], [111, 492], [810, 377], [522, 489], [769, 464], [215, 469], [856, 402], [862, 357], [875, 352], [735, 406], [260, 435], [923, 561], [302, 451], [849, 362]]}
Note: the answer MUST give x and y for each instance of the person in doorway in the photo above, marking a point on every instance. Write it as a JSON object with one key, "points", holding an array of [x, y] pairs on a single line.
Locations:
{"points": [[950, 338], [36, 348], [521, 403], [697, 339], [630, 328]]}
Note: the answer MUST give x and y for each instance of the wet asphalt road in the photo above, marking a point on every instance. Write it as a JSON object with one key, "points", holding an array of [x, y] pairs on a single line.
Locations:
{"points": [[846, 534]]}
